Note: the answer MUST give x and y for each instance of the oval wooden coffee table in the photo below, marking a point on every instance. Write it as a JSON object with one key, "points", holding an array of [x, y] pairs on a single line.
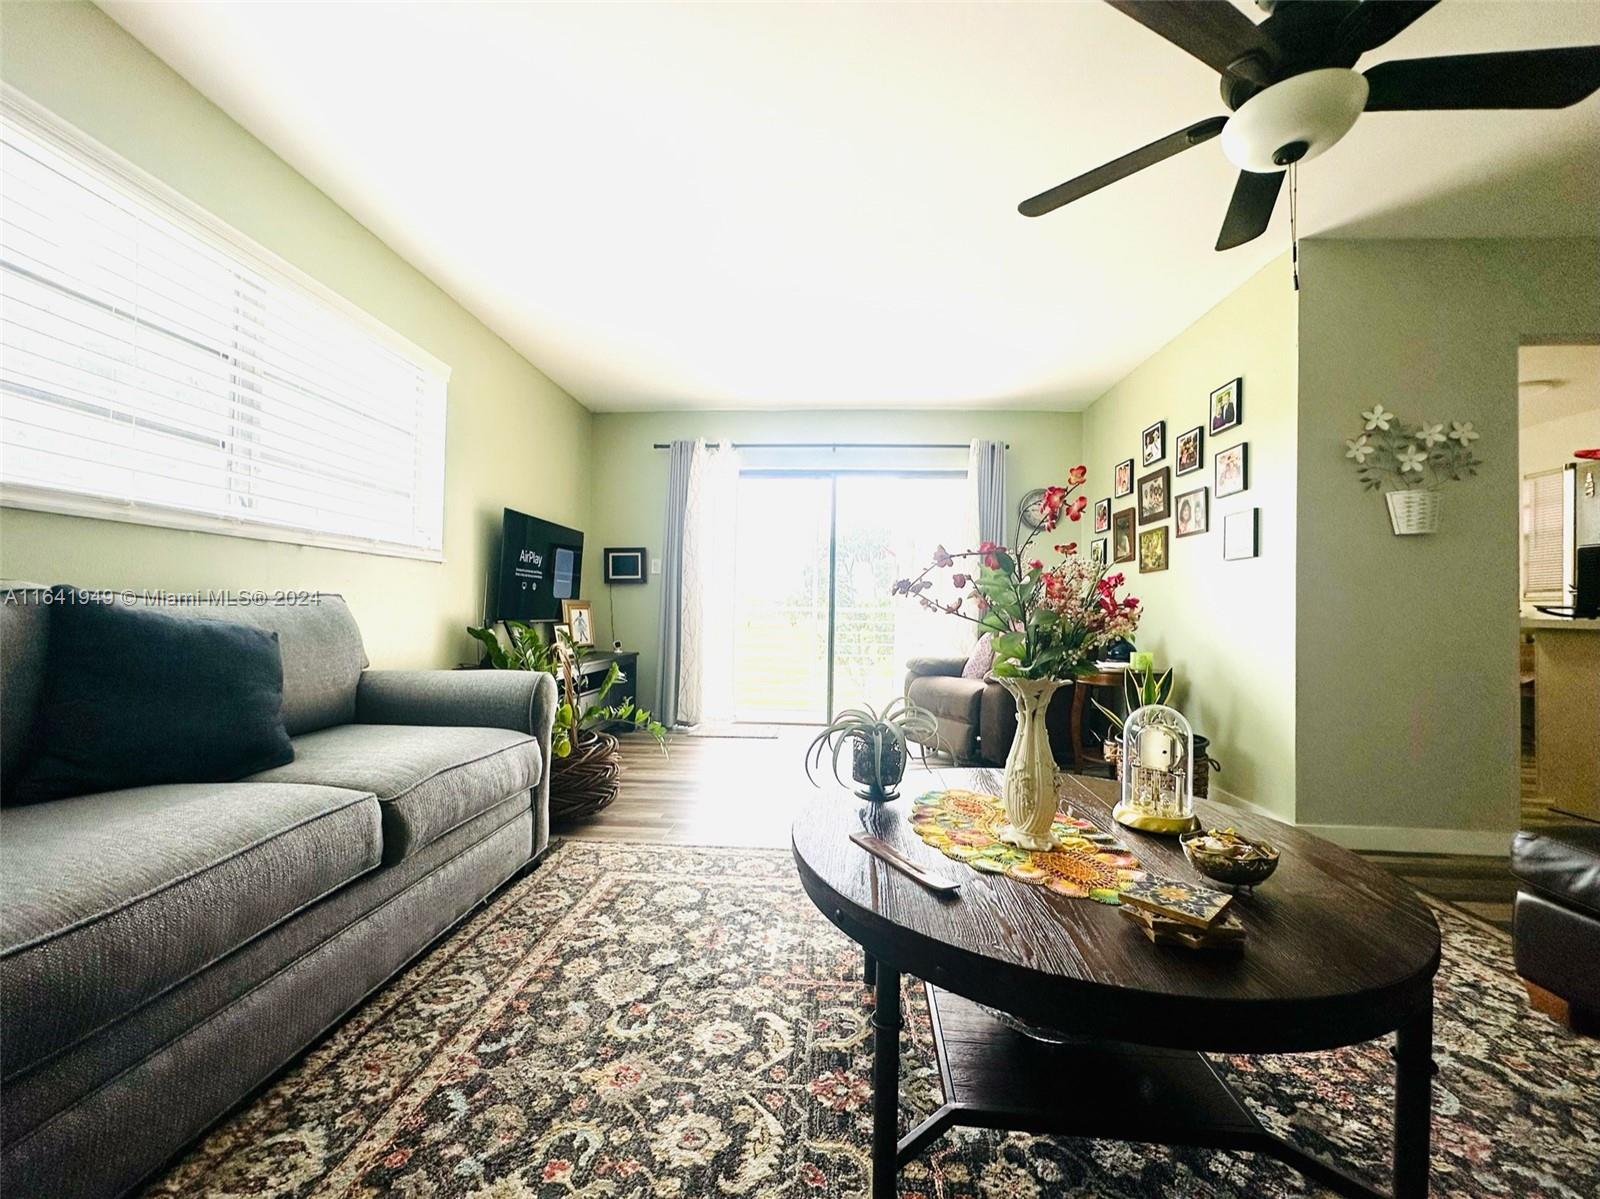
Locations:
{"points": [[1338, 951]]}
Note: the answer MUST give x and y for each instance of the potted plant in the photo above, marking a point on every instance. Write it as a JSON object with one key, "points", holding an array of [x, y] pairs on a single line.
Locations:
{"points": [[1140, 687], [584, 765], [878, 744], [1409, 463], [1048, 625]]}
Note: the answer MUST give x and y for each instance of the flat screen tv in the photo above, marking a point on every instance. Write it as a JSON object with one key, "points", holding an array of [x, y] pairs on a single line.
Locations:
{"points": [[541, 564]]}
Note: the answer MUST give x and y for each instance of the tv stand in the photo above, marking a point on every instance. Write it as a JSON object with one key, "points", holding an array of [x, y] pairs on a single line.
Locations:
{"points": [[591, 672]]}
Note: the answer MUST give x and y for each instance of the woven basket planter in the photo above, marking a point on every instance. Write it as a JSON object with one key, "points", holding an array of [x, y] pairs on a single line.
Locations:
{"points": [[585, 781], [1413, 511]]}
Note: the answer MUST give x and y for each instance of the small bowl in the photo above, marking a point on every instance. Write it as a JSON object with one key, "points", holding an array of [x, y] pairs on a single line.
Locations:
{"points": [[1237, 872]]}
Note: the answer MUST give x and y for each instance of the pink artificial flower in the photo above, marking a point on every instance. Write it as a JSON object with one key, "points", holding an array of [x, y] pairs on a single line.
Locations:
{"points": [[941, 556], [1077, 475]]}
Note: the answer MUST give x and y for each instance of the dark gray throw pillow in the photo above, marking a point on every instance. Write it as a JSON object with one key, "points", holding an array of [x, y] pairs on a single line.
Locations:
{"points": [[134, 696]]}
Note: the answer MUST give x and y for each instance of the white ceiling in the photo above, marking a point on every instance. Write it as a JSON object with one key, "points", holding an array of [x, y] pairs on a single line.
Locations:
{"points": [[1558, 382], [813, 205]]}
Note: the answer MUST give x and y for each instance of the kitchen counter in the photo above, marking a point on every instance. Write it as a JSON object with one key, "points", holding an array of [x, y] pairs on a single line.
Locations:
{"points": [[1536, 624], [1566, 705]]}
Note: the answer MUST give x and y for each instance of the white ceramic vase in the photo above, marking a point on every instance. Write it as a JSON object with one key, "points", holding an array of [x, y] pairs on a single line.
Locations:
{"points": [[1030, 775]]}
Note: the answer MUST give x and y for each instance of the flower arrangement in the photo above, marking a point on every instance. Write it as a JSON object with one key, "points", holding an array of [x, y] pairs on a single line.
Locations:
{"points": [[1047, 622], [1394, 455]]}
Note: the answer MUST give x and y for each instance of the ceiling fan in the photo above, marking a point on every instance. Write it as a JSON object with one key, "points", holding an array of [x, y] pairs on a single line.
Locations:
{"points": [[1293, 93]]}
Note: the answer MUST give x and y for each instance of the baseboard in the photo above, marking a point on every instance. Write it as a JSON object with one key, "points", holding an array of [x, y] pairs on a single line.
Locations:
{"points": [[1399, 839], [1388, 838]]}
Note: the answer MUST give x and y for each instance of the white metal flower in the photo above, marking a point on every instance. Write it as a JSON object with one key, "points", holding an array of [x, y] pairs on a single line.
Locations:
{"points": [[1359, 449], [1431, 435], [1411, 458], [1378, 418], [1462, 431]]}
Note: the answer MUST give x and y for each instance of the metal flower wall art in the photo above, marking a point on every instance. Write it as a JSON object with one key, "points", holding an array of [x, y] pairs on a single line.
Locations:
{"points": [[1409, 463]]}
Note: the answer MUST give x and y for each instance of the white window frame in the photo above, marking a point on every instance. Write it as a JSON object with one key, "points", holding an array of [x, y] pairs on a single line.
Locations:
{"points": [[194, 219]]}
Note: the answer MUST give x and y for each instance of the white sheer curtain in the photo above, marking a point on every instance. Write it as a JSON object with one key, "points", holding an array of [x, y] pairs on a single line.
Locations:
{"points": [[705, 667]]}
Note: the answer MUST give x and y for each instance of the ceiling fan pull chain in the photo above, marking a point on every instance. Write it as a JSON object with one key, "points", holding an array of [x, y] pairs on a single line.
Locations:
{"points": [[1294, 222]]}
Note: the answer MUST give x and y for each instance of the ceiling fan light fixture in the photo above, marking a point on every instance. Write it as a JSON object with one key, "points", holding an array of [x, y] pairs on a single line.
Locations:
{"points": [[1295, 120]]}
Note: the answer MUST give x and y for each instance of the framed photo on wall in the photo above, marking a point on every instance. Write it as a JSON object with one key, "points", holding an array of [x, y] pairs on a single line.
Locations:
{"points": [[1194, 512], [1153, 549], [1232, 468], [575, 614], [1240, 534], [1189, 450], [1227, 405], [1102, 516], [1097, 552], [1155, 496], [1122, 479], [625, 565], [1153, 443], [1122, 545]]}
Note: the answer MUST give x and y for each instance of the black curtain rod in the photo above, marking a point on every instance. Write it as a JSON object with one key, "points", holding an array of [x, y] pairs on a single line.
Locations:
{"points": [[833, 445]]}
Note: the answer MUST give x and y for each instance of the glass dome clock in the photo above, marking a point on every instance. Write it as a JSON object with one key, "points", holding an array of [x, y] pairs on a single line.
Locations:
{"points": [[1157, 789]]}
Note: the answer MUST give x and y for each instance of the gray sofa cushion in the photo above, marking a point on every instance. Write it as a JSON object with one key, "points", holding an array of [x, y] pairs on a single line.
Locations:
{"points": [[322, 654], [427, 779], [317, 637], [108, 900]]}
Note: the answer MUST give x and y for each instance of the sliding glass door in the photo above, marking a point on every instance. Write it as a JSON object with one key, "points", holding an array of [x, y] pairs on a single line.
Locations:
{"points": [[816, 628], [780, 608]]}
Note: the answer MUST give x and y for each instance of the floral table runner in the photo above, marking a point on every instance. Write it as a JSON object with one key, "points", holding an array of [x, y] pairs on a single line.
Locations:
{"points": [[965, 825]]}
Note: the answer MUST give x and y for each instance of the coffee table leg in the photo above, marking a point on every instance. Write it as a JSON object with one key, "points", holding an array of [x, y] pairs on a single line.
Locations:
{"points": [[885, 1081], [869, 969], [1413, 1104]]}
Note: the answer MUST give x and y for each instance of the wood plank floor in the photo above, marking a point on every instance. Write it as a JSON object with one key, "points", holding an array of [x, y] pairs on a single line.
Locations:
{"points": [[700, 793]]}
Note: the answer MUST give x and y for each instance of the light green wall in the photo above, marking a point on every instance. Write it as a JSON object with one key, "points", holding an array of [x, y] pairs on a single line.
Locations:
{"points": [[1408, 709], [514, 437], [1227, 628], [631, 480]]}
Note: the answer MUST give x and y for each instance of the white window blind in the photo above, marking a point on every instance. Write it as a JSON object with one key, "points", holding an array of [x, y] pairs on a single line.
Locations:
{"points": [[1543, 534], [159, 368]]}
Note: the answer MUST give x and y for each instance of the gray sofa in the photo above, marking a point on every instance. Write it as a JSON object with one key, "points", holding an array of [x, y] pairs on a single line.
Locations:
{"points": [[164, 950], [977, 717]]}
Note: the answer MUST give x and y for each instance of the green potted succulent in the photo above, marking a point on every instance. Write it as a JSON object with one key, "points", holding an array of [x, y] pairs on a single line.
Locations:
{"points": [[585, 764], [878, 742]]}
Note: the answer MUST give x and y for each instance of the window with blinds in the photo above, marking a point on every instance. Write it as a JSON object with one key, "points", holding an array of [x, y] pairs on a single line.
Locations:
{"points": [[1543, 535], [157, 367]]}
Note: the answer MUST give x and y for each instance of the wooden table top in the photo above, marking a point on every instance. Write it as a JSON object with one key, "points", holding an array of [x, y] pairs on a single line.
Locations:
{"points": [[1338, 949]]}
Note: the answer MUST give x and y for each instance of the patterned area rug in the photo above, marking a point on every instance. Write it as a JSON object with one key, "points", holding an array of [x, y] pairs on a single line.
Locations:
{"points": [[663, 1021]]}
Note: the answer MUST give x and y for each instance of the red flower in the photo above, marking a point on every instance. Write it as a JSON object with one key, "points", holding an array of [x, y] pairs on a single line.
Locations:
{"points": [[1067, 550], [1075, 509], [1077, 475], [1036, 565], [1131, 602], [991, 557]]}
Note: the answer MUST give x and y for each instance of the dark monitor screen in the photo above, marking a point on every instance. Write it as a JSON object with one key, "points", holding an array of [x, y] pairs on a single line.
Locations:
{"points": [[541, 564]]}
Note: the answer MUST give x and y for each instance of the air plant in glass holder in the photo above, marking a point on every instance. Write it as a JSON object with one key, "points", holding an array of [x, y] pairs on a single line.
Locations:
{"points": [[879, 744]]}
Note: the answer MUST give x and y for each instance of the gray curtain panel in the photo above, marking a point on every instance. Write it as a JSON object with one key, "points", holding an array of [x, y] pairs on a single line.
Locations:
{"points": [[670, 652], [989, 476]]}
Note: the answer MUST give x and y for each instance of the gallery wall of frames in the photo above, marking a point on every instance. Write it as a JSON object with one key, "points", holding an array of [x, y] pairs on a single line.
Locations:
{"points": [[1182, 489]]}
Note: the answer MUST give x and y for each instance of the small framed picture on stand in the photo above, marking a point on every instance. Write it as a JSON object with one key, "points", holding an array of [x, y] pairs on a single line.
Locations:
{"points": [[578, 618]]}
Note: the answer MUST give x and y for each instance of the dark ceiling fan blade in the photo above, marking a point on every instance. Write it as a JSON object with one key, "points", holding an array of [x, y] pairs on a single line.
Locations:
{"points": [[1216, 33], [1377, 22], [1551, 78], [1250, 210], [1121, 168]]}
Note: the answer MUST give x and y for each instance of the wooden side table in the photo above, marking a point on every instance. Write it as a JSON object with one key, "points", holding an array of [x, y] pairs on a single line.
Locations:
{"points": [[1105, 674]]}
